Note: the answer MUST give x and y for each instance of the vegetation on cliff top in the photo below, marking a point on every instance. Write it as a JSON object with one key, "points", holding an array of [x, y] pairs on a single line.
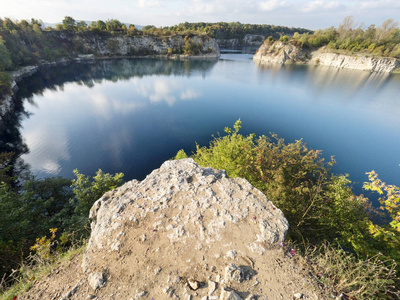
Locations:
{"points": [[383, 40]]}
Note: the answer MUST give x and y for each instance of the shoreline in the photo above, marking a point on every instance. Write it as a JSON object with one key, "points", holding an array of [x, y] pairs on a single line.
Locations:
{"points": [[282, 53], [18, 75]]}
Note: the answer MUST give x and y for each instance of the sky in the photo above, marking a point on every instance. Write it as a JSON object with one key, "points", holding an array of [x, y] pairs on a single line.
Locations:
{"points": [[310, 14]]}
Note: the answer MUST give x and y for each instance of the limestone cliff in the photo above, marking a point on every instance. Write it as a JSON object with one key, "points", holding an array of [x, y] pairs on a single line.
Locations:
{"points": [[144, 45], [249, 40], [184, 232], [286, 53]]}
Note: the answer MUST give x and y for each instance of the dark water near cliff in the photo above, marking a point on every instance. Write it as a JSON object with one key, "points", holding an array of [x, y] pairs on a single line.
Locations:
{"points": [[131, 115]]}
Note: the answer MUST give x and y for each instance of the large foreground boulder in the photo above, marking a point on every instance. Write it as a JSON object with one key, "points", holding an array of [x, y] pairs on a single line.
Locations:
{"points": [[184, 232]]}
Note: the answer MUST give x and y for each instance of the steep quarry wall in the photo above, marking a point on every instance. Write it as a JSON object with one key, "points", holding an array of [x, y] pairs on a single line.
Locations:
{"points": [[285, 53], [250, 40], [128, 45], [184, 232]]}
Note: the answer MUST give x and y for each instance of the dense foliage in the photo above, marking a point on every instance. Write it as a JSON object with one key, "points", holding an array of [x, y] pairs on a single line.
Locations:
{"points": [[383, 40], [223, 30], [319, 205], [29, 211]]}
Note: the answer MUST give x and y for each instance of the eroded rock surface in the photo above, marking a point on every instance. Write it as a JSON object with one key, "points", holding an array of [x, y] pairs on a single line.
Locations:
{"points": [[184, 232], [286, 53]]}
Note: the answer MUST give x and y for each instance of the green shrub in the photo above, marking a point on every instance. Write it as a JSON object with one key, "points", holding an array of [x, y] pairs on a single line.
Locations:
{"points": [[87, 191], [295, 178]]}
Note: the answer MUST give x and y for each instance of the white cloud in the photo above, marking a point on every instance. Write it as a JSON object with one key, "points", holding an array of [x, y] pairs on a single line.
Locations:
{"points": [[148, 3], [163, 91], [189, 94], [379, 4], [46, 159], [271, 5], [320, 5]]}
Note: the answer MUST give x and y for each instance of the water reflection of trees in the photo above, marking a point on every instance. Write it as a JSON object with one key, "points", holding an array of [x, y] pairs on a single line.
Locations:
{"points": [[12, 145], [86, 73]]}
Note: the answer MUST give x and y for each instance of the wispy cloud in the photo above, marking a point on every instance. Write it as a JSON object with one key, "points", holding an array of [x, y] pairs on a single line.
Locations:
{"points": [[320, 5], [271, 5], [148, 3]]}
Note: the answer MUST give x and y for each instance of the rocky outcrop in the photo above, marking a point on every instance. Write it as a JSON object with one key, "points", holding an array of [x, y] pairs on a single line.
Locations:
{"points": [[144, 45], [280, 53], [356, 62], [286, 53], [184, 232], [250, 40]]}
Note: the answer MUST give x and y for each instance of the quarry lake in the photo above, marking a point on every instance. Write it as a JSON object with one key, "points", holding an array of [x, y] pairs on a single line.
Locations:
{"points": [[131, 115]]}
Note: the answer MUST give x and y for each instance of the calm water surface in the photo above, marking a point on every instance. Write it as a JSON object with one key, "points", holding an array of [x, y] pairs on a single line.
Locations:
{"points": [[131, 115]]}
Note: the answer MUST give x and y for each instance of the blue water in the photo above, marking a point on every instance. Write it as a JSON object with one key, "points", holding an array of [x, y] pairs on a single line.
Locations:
{"points": [[131, 115]]}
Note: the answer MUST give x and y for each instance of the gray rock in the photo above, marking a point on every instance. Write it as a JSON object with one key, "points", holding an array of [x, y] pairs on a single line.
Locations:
{"points": [[298, 296], [97, 280], [71, 292], [286, 53], [140, 294], [201, 190], [212, 287], [229, 295], [234, 273]]}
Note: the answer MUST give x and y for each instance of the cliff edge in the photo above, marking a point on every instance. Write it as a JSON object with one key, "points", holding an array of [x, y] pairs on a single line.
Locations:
{"points": [[184, 232], [286, 53]]}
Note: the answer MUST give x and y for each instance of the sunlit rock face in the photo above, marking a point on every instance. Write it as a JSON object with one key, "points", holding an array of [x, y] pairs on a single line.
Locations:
{"points": [[127, 45], [286, 53]]}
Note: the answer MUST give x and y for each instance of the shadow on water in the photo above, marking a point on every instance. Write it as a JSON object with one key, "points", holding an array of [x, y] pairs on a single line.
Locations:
{"points": [[12, 145]]}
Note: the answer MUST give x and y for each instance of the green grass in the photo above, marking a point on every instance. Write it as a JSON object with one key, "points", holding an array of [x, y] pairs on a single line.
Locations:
{"points": [[35, 268]]}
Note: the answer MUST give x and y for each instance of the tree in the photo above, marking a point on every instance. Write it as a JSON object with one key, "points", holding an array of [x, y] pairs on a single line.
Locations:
{"points": [[113, 25], [59, 27], [68, 23], [82, 26], [5, 56], [101, 25], [87, 191]]}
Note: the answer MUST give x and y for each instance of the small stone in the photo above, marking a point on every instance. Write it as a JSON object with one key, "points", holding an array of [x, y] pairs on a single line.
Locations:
{"points": [[298, 296], [231, 254], [251, 297], [229, 295], [212, 286], [204, 298], [140, 294], [96, 280], [213, 297], [193, 284], [233, 273], [90, 296]]}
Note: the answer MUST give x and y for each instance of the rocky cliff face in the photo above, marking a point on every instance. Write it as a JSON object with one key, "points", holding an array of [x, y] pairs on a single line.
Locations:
{"points": [[285, 53], [279, 53], [184, 232], [250, 40], [127, 45]]}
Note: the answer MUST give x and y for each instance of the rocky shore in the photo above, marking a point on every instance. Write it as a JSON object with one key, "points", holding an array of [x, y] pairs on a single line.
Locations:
{"points": [[286, 53]]}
